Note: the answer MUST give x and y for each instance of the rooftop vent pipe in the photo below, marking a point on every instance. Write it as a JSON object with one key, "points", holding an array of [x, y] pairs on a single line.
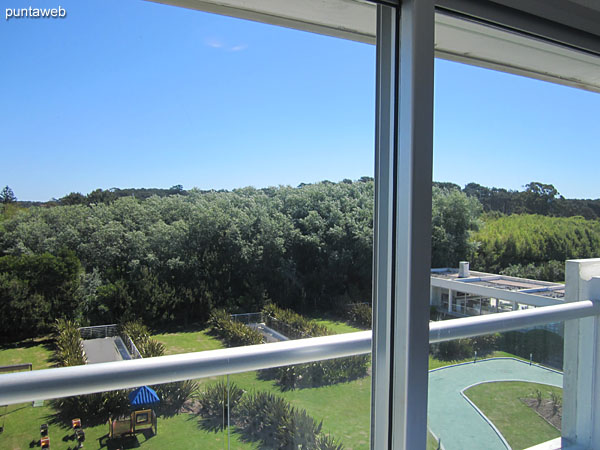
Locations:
{"points": [[463, 269]]}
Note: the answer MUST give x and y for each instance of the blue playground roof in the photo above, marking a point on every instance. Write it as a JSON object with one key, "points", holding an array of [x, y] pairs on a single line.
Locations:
{"points": [[143, 396]]}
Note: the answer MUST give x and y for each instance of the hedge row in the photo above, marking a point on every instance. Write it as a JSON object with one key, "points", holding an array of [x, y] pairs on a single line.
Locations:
{"points": [[458, 349], [317, 373], [297, 322], [232, 333], [263, 417], [321, 373], [544, 346]]}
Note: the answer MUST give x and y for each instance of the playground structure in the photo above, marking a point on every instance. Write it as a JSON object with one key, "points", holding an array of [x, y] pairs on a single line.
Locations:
{"points": [[139, 420], [136, 422]]}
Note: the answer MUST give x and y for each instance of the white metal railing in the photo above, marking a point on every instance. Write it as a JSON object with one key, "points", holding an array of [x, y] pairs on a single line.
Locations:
{"points": [[248, 318], [86, 379], [112, 330], [99, 331], [131, 348]]}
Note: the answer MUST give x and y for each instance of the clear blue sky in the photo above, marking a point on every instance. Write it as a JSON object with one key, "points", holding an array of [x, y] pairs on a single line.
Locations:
{"points": [[127, 93]]}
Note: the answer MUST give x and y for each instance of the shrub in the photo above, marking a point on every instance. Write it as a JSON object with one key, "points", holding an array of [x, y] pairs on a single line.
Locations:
{"points": [[361, 315], [327, 442], [297, 322], [556, 402], [140, 335], [465, 348], [486, 344], [214, 402], [298, 430], [270, 419], [265, 417], [317, 373], [93, 409], [322, 373], [259, 416], [454, 350], [538, 397], [151, 348], [174, 395], [69, 351], [234, 334], [546, 346]]}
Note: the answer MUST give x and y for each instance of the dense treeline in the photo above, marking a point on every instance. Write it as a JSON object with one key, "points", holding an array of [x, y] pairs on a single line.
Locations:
{"points": [[175, 258], [94, 197], [110, 195], [530, 233], [36, 289], [535, 246], [535, 198]]}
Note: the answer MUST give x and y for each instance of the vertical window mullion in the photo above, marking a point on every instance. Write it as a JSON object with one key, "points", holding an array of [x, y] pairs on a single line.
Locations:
{"points": [[402, 244]]}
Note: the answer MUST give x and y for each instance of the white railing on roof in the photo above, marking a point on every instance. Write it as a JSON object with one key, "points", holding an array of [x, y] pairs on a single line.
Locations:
{"points": [[131, 348], [99, 331]]}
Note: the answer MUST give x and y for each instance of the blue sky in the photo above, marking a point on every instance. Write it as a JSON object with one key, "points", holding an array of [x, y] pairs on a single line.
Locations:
{"points": [[127, 93]]}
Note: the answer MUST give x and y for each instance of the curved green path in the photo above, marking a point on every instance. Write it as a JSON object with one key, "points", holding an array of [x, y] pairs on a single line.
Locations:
{"points": [[454, 420]]}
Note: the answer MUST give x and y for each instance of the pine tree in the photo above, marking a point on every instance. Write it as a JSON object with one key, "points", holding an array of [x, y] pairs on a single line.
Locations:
{"points": [[7, 195]]}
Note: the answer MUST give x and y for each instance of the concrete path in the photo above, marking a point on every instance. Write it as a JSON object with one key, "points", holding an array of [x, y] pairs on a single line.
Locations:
{"points": [[101, 350], [454, 420]]}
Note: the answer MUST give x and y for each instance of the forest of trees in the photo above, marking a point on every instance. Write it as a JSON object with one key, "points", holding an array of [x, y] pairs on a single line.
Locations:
{"points": [[533, 239], [535, 198], [173, 258]]}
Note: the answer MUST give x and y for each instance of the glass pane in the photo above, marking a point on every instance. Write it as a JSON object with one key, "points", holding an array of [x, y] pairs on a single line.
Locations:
{"points": [[495, 389], [191, 164]]}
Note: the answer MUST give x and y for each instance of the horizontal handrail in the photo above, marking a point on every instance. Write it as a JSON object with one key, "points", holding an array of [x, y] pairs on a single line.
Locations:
{"points": [[86, 379], [447, 330]]}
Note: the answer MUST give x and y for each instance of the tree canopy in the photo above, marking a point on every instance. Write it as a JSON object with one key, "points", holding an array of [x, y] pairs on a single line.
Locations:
{"points": [[175, 258]]}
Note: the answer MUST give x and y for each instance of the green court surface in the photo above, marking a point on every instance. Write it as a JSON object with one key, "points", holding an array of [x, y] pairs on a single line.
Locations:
{"points": [[454, 420]]}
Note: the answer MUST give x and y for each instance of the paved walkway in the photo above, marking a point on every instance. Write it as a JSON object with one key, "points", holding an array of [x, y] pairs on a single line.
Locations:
{"points": [[454, 420], [102, 350]]}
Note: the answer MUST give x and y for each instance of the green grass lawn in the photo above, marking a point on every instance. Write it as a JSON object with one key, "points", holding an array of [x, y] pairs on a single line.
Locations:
{"points": [[187, 342], [520, 425], [179, 432], [337, 326], [38, 352], [344, 408]]}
